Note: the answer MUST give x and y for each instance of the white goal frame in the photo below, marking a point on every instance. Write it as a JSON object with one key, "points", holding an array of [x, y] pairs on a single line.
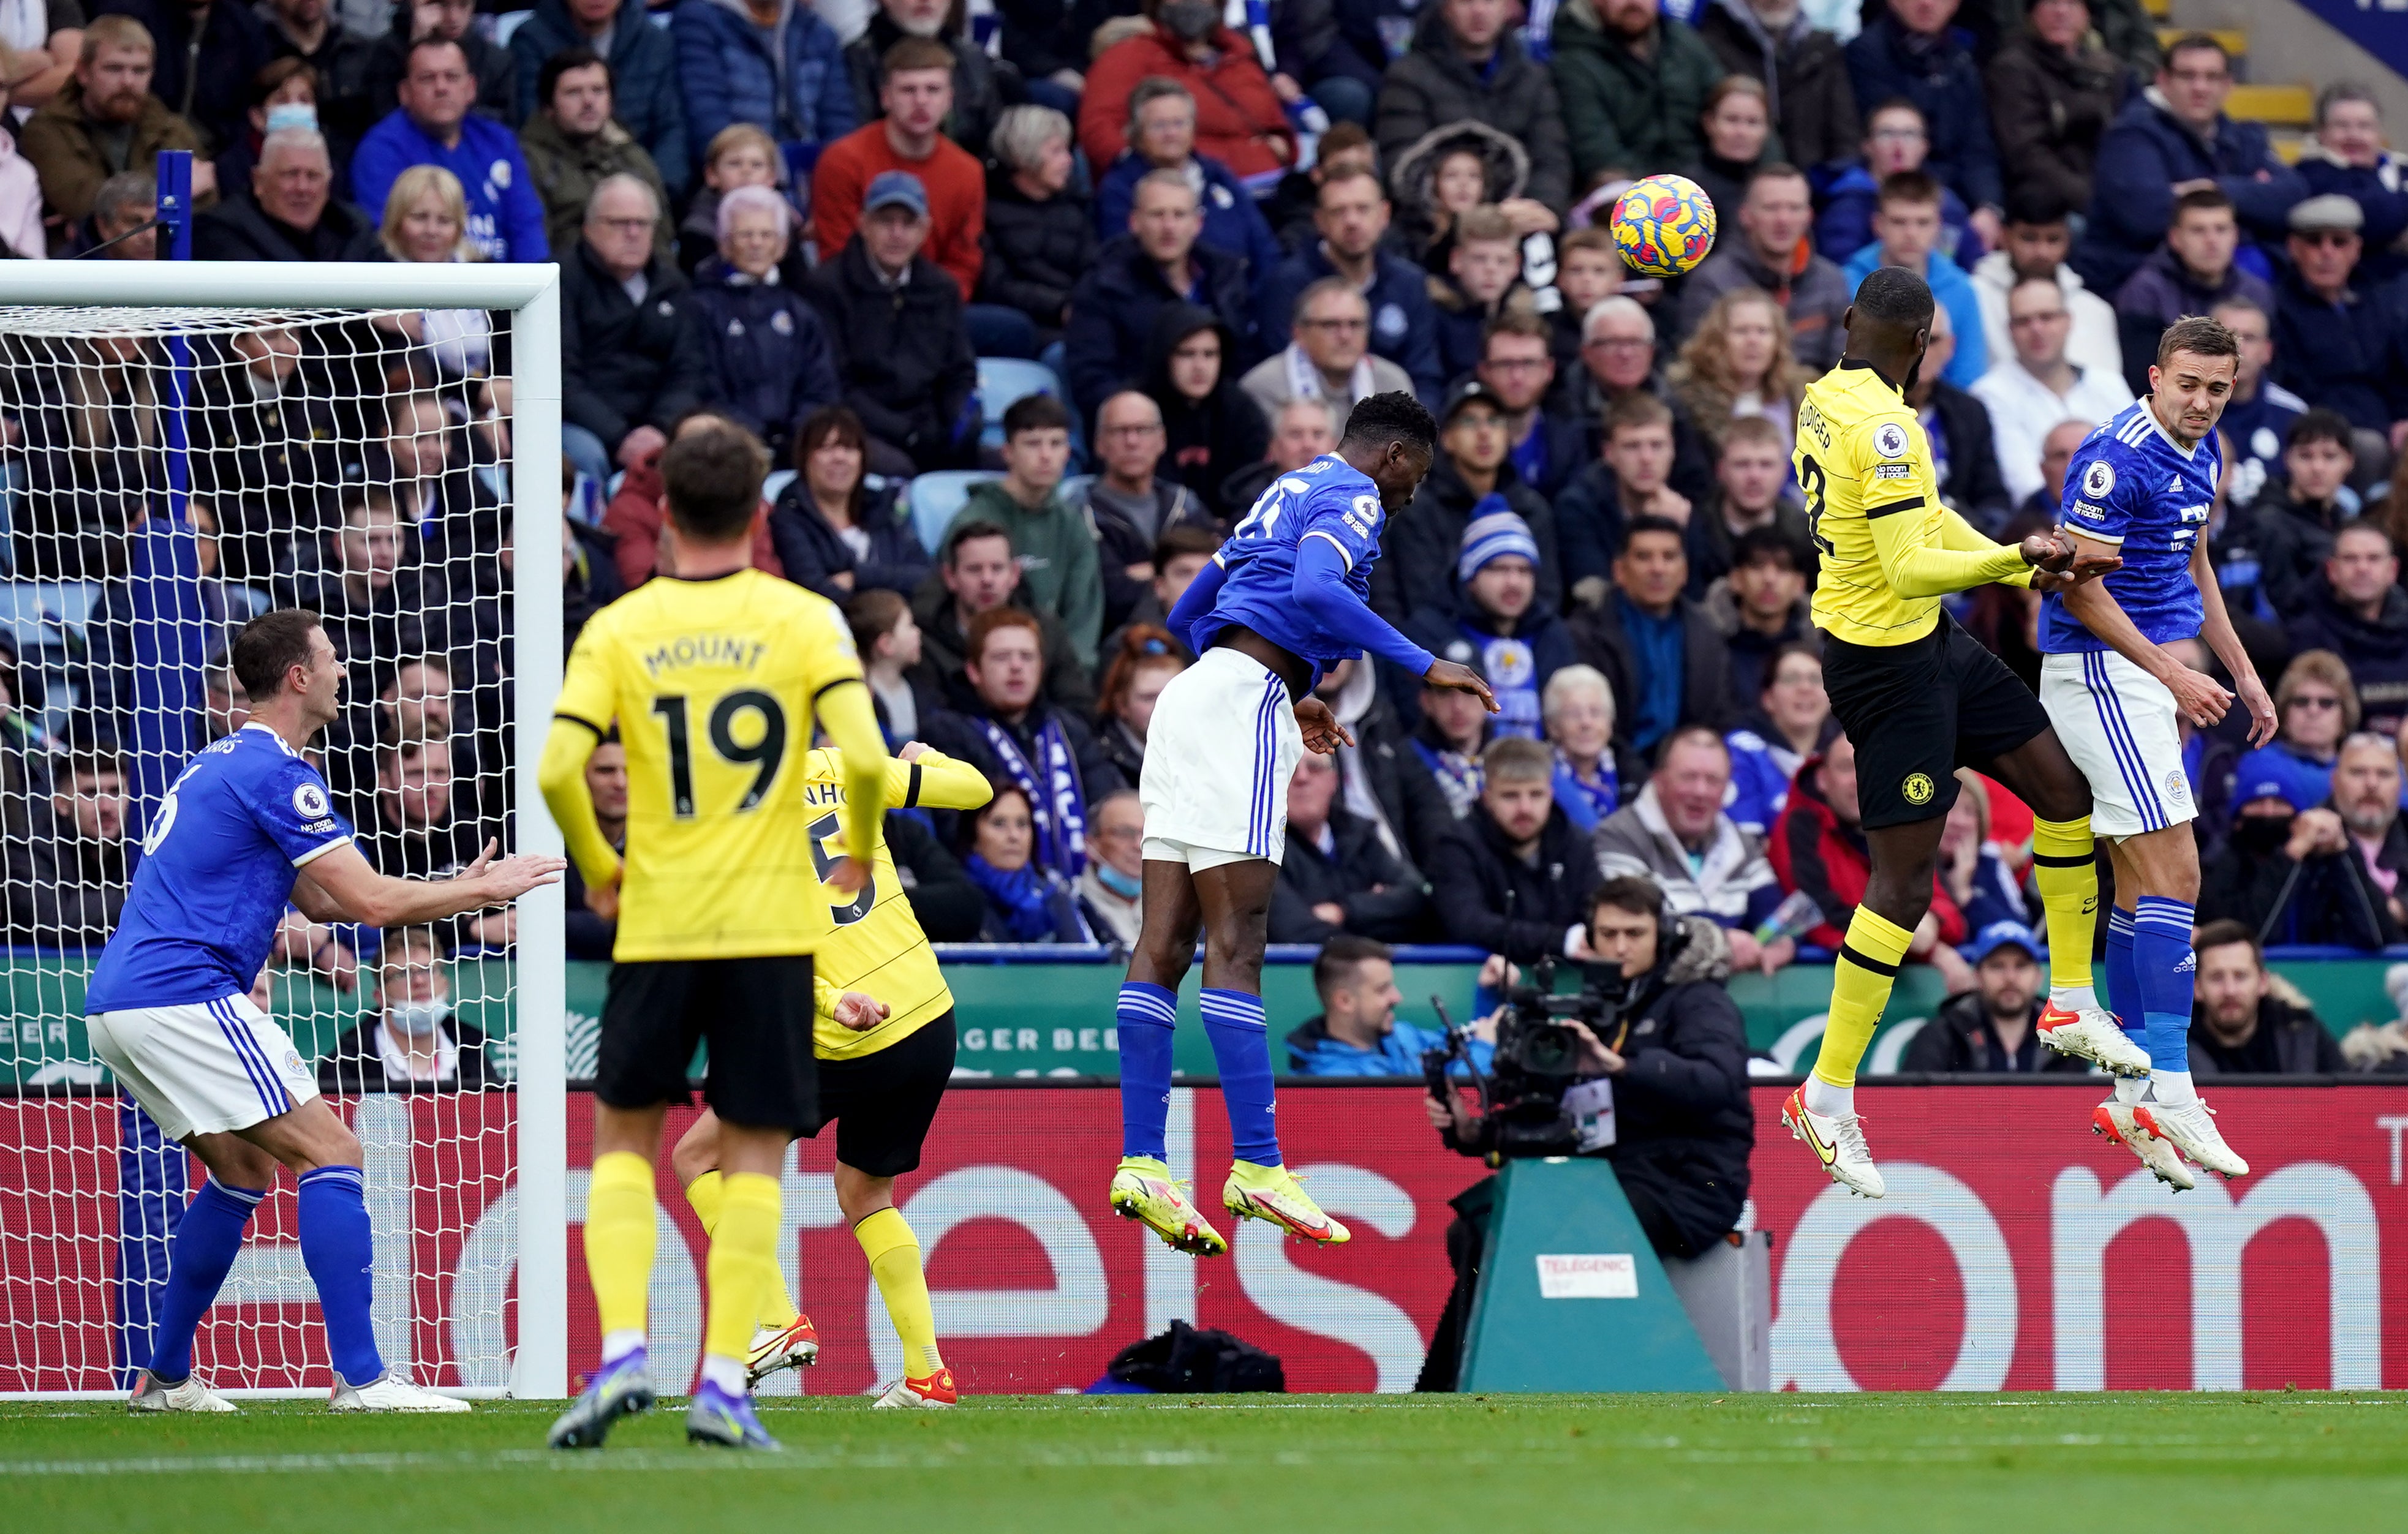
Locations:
{"points": [[531, 295]]}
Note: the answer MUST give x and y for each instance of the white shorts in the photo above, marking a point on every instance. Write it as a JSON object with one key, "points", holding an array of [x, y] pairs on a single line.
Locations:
{"points": [[204, 1068], [1218, 757], [2119, 725]]}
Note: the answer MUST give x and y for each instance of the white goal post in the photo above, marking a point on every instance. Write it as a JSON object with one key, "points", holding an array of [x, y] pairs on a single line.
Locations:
{"points": [[68, 1195]]}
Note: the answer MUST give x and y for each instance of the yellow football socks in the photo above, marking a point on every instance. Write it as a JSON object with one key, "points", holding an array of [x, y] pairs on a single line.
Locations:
{"points": [[777, 1301], [619, 1222], [894, 1255], [1860, 983], [2065, 866], [743, 1251]]}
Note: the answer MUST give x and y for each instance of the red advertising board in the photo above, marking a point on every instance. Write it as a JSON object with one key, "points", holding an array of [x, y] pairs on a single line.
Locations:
{"points": [[2015, 1250]]}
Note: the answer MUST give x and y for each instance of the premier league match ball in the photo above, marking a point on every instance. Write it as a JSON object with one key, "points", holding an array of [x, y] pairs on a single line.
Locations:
{"points": [[1664, 225]]}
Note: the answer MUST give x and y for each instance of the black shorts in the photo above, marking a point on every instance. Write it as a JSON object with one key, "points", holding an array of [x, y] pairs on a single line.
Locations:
{"points": [[882, 1103], [1917, 712], [756, 1014]]}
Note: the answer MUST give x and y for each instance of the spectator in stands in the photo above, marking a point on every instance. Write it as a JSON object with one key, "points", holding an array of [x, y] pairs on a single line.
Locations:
{"points": [[2052, 92], [1775, 257], [1617, 355], [492, 72], [1660, 652], [2039, 233], [1127, 506], [1336, 876], [1545, 446], [1443, 175], [124, 204], [1177, 557], [1162, 136], [573, 142], [1302, 429], [1751, 503], [1792, 722], [1779, 43], [591, 935], [338, 55], [2355, 608], [288, 88], [1494, 613], [1352, 216], [977, 88], [643, 69], [1039, 237], [2192, 273], [414, 1039], [1818, 845], [106, 123], [2336, 343], [903, 355], [1210, 428], [1158, 263], [1466, 63], [414, 828], [79, 862], [2316, 702], [2294, 519], [1631, 481], [1144, 660], [1959, 428], [208, 51], [366, 588], [1052, 45], [2347, 156], [835, 533], [916, 94], [1481, 284], [1970, 865], [1677, 834], [434, 126], [1989, 1029], [45, 42], [1577, 708], [1008, 731], [976, 573], [2028, 393], [1736, 133], [287, 214], [632, 360], [2057, 450], [1516, 841], [1913, 53], [1906, 232], [1110, 889], [1760, 607], [1896, 142], [887, 639], [1738, 366], [1061, 573], [1330, 359], [740, 156], [1448, 741], [1473, 467], [1357, 1033], [1238, 119], [2170, 140], [1632, 86], [1027, 900], [769, 357], [638, 513], [2247, 1023]]}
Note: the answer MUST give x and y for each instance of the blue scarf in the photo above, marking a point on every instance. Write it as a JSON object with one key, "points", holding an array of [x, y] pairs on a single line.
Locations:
{"points": [[1017, 895], [1584, 802], [1657, 648], [1059, 804]]}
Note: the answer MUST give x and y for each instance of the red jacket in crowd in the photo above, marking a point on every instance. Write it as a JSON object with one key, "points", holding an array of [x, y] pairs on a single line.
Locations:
{"points": [[1239, 121], [1814, 850], [634, 517]]}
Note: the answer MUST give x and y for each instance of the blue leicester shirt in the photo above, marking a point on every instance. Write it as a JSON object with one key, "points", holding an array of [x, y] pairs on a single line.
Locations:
{"points": [[1328, 498], [2130, 486], [217, 870]]}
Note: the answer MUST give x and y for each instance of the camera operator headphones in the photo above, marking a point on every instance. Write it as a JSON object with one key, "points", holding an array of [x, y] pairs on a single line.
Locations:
{"points": [[1667, 929]]}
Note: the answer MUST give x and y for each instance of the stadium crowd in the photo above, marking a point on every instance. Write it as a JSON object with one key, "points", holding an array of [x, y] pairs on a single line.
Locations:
{"points": [[817, 222]]}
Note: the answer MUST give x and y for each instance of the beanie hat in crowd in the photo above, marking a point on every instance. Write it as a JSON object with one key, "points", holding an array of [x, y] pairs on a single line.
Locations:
{"points": [[1493, 534]]}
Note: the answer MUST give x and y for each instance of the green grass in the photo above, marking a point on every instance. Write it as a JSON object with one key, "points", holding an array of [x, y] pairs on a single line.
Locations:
{"points": [[1495, 1464]]}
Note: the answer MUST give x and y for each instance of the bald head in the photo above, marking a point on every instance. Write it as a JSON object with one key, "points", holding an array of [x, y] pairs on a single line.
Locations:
{"points": [[1129, 435]]}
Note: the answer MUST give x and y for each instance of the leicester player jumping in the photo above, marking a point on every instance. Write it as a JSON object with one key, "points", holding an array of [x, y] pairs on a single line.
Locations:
{"points": [[2142, 487], [245, 828], [712, 676], [1920, 699], [1286, 598]]}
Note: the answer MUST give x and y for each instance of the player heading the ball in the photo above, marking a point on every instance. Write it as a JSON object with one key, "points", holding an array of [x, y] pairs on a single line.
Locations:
{"points": [[247, 829], [1286, 598]]}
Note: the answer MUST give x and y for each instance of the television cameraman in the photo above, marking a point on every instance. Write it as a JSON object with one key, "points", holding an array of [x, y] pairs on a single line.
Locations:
{"points": [[1661, 1094]]}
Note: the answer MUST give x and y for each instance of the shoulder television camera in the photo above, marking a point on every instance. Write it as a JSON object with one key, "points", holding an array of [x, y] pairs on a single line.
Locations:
{"points": [[1537, 1060]]}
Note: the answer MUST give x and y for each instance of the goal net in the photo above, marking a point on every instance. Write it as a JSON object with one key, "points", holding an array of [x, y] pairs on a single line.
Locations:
{"points": [[213, 442]]}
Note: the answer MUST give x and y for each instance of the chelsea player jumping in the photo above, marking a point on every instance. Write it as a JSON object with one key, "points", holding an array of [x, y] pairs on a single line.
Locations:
{"points": [[2142, 487], [1286, 598], [247, 829]]}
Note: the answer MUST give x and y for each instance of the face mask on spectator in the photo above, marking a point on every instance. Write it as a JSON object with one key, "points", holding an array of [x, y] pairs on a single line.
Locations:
{"points": [[2262, 833], [417, 1019], [291, 114], [1190, 21], [1117, 882]]}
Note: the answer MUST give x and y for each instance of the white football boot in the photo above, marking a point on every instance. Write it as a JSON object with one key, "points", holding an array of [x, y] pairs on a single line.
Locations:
{"points": [[2114, 1120], [1839, 1142], [390, 1393], [190, 1393], [2191, 1126]]}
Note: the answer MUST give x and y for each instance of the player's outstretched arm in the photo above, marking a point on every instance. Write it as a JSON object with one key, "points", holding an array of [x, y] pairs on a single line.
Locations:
{"points": [[1916, 567], [2215, 626], [2201, 699], [561, 775], [1320, 589], [339, 885], [920, 777]]}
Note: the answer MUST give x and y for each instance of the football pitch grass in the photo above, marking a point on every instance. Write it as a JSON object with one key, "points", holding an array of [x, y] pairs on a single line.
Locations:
{"points": [[1064, 1465]]}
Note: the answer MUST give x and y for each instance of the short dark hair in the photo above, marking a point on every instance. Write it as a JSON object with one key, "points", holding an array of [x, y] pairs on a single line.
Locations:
{"points": [[1909, 186], [916, 53], [711, 479], [1637, 408], [547, 80], [1691, 734], [2194, 42], [398, 940], [2223, 934], [1649, 523], [1508, 320], [2200, 197], [1633, 892], [963, 532], [2320, 425], [1339, 958], [409, 55], [1896, 297], [1777, 170], [277, 73], [1034, 413], [2038, 204], [871, 616], [2200, 335], [1182, 540], [1783, 651], [1767, 546], [2371, 527], [1379, 419], [268, 646], [90, 761]]}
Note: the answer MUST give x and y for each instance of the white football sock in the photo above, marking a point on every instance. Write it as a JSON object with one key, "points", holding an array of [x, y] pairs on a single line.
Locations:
{"points": [[2173, 1086], [2073, 997], [1830, 1100]]}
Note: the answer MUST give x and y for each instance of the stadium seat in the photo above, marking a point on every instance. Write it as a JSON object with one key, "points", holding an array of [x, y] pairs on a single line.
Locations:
{"points": [[937, 498], [1003, 382], [508, 22], [775, 485]]}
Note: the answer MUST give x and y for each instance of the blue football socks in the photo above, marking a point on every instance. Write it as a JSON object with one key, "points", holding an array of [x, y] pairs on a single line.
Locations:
{"points": [[206, 1238], [1241, 1050], [2167, 968], [339, 1250], [1147, 1015], [2123, 978]]}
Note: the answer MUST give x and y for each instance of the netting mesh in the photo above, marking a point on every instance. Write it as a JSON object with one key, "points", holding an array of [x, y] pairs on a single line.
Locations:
{"points": [[166, 474]]}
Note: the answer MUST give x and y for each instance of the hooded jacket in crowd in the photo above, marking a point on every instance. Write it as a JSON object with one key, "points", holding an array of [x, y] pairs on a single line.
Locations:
{"points": [[1434, 85], [1205, 441]]}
